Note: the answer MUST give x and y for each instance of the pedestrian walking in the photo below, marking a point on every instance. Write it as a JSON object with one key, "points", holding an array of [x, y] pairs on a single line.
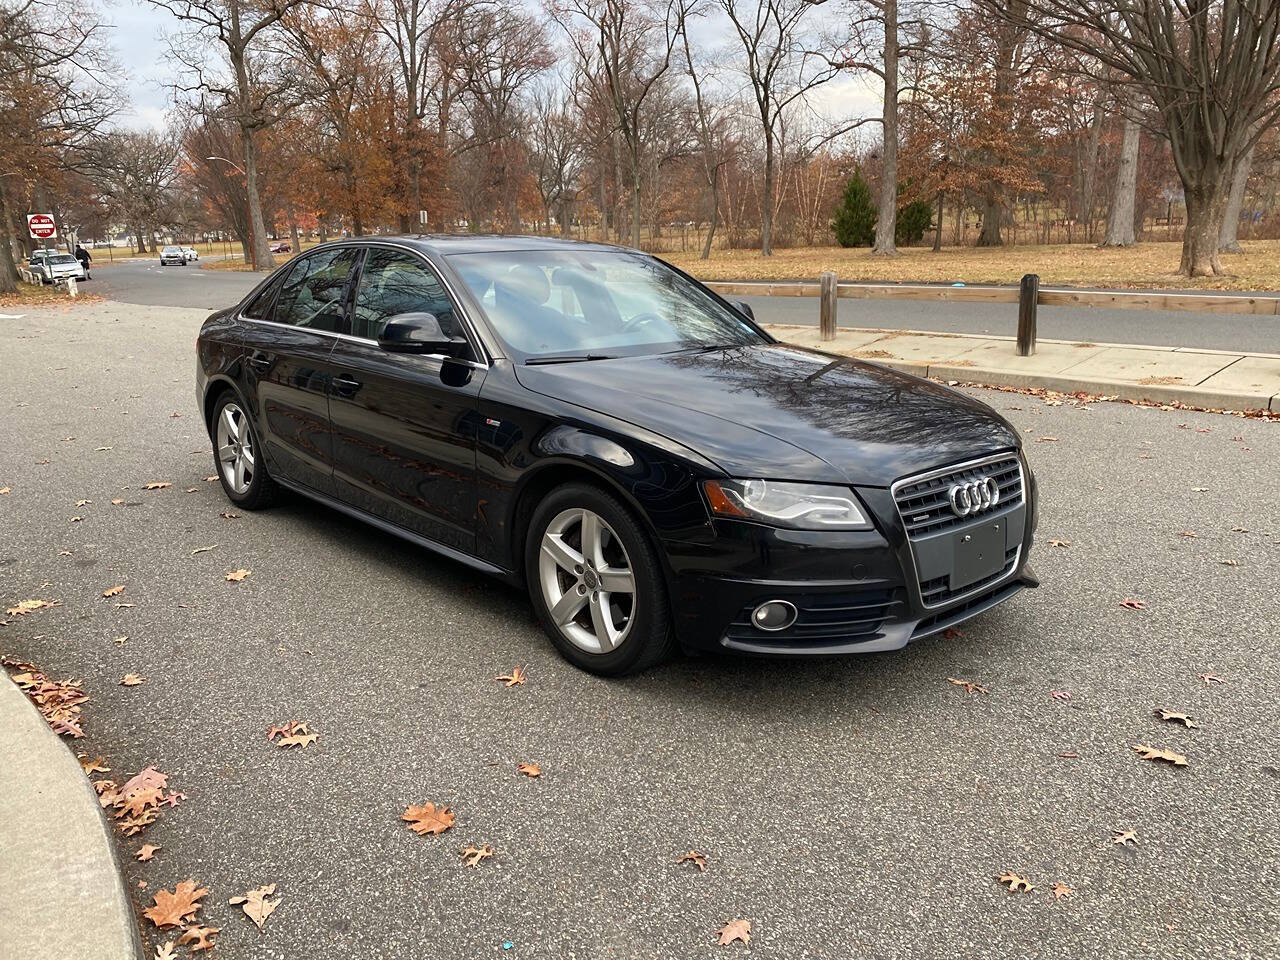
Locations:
{"points": [[85, 259]]}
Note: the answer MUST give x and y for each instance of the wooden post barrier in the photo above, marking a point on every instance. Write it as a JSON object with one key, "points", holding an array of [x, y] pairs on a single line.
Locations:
{"points": [[827, 305], [1028, 297]]}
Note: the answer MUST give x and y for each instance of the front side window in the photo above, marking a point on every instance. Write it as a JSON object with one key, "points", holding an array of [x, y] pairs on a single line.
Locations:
{"points": [[601, 303], [393, 282], [313, 292], [259, 307]]}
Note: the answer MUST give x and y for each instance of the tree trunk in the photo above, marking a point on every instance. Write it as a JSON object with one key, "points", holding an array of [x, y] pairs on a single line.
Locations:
{"points": [[293, 235], [137, 232], [563, 216], [937, 234], [1090, 174], [715, 213], [766, 220], [262, 258], [1228, 241], [635, 199], [887, 221], [8, 266], [1120, 232], [1206, 202]]}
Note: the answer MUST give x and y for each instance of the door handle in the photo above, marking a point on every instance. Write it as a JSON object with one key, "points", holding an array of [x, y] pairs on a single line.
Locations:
{"points": [[260, 360], [345, 386]]}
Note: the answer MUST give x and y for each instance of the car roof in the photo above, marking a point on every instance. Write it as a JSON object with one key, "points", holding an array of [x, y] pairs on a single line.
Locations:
{"points": [[444, 244]]}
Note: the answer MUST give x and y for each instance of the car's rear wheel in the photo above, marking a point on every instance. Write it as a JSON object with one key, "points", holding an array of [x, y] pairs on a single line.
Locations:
{"points": [[596, 582], [238, 456]]}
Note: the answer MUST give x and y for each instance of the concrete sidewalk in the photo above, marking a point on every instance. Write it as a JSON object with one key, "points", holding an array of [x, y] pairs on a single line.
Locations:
{"points": [[1216, 379], [61, 894]]}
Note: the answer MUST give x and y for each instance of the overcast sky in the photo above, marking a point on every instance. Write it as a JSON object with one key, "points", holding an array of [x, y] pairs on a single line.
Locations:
{"points": [[138, 29]]}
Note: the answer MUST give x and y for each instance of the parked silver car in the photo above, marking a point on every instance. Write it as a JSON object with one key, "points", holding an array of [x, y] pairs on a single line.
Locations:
{"points": [[51, 267]]}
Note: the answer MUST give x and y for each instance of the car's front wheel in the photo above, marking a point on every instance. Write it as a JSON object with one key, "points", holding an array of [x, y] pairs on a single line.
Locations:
{"points": [[596, 582], [238, 456]]}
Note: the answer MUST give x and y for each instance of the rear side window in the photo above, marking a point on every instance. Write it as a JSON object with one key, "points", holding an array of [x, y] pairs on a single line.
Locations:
{"points": [[312, 294], [393, 282], [260, 305]]}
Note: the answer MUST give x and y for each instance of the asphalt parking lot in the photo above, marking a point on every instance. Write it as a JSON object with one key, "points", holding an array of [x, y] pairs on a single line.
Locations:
{"points": [[854, 808]]}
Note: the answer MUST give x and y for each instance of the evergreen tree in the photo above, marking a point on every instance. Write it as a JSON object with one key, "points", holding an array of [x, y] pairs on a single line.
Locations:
{"points": [[855, 220]]}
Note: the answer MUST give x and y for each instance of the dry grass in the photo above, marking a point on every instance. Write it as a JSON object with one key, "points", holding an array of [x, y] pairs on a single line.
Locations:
{"points": [[1146, 266], [31, 296], [238, 264]]}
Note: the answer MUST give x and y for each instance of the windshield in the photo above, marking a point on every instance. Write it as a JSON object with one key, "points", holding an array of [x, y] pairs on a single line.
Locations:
{"points": [[172, 250], [595, 304], [63, 258]]}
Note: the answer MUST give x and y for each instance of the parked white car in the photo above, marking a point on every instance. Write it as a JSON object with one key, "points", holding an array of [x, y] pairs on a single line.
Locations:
{"points": [[191, 254], [51, 266], [172, 254]]}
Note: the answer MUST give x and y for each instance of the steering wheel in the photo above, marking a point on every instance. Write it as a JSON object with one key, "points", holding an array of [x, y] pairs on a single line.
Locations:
{"points": [[639, 320]]}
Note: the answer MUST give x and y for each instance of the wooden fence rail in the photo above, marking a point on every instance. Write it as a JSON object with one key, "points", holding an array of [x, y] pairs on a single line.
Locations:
{"points": [[1044, 296]]}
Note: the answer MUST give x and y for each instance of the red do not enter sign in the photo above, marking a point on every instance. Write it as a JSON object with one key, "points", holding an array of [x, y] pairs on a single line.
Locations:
{"points": [[40, 226]]}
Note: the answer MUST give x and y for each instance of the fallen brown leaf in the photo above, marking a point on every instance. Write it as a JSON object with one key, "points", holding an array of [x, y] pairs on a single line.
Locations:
{"points": [[292, 734], [472, 855], [1208, 679], [28, 606], [1159, 753], [156, 486], [114, 591], [1015, 883], [228, 515], [1133, 604], [1046, 439], [83, 503], [132, 680], [699, 860], [235, 576], [1060, 543], [92, 766], [198, 937], [1187, 534], [428, 818], [298, 740], [5, 491], [133, 803], [1061, 890], [147, 779], [178, 908], [203, 549], [529, 769], [1125, 838], [147, 851], [1060, 694], [734, 930], [968, 685], [255, 904], [513, 679], [117, 501], [1172, 716], [164, 951]]}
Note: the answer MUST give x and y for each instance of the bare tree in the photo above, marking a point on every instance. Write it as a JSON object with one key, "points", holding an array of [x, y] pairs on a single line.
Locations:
{"points": [[1228, 241], [135, 172], [713, 150], [555, 143], [624, 49], [1212, 70], [254, 87], [782, 65]]}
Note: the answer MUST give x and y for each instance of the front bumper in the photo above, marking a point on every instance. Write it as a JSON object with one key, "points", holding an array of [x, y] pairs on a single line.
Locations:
{"points": [[854, 592]]}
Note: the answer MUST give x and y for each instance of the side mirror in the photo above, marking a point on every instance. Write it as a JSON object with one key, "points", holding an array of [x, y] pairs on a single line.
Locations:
{"points": [[744, 308], [419, 333]]}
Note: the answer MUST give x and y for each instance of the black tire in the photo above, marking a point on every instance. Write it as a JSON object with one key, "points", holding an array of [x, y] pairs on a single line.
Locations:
{"points": [[649, 638], [262, 491]]}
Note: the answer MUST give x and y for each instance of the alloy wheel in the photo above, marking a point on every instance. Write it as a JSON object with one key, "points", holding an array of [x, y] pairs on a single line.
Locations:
{"points": [[587, 581], [235, 449]]}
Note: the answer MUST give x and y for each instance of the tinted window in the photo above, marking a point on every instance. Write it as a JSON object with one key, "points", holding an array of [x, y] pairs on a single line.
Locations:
{"points": [[393, 282], [261, 304], [311, 295]]}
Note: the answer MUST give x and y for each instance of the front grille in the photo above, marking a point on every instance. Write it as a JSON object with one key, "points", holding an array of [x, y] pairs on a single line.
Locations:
{"points": [[938, 590], [822, 618], [925, 504]]}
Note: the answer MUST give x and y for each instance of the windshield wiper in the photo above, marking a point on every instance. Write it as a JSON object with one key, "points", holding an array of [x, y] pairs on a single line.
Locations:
{"points": [[567, 358]]}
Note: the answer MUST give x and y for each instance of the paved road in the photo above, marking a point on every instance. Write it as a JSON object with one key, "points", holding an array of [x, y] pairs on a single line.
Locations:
{"points": [[857, 808], [148, 283]]}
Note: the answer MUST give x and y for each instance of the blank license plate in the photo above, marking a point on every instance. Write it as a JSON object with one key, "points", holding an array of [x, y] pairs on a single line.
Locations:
{"points": [[979, 553]]}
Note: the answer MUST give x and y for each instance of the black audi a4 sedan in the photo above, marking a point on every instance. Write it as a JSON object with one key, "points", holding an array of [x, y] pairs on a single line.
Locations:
{"points": [[596, 425]]}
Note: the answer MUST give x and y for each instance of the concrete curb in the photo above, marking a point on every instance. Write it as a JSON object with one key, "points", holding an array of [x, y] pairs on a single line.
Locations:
{"points": [[866, 341], [61, 890]]}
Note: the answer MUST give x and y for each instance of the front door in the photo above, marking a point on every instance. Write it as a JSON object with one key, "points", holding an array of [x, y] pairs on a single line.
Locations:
{"points": [[288, 342], [403, 425]]}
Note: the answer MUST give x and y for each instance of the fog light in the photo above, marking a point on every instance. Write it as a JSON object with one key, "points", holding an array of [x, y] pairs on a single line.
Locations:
{"points": [[774, 615]]}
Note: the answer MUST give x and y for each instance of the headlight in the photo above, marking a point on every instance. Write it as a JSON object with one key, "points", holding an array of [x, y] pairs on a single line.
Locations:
{"points": [[802, 506]]}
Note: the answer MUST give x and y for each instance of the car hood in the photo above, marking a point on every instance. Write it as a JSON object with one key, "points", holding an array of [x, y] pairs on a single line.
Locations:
{"points": [[784, 412]]}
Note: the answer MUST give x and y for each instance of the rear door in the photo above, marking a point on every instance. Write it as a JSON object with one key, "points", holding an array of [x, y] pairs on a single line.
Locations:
{"points": [[287, 369], [404, 436]]}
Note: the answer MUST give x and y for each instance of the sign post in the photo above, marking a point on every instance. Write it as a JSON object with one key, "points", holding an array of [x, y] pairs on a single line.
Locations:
{"points": [[41, 227]]}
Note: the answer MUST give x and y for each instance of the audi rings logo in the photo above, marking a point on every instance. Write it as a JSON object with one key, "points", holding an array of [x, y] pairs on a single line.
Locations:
{"points": [[974, 496]]}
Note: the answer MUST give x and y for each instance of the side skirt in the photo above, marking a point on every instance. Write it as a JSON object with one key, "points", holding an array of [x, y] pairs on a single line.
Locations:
{"points": [[387, 527]]}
